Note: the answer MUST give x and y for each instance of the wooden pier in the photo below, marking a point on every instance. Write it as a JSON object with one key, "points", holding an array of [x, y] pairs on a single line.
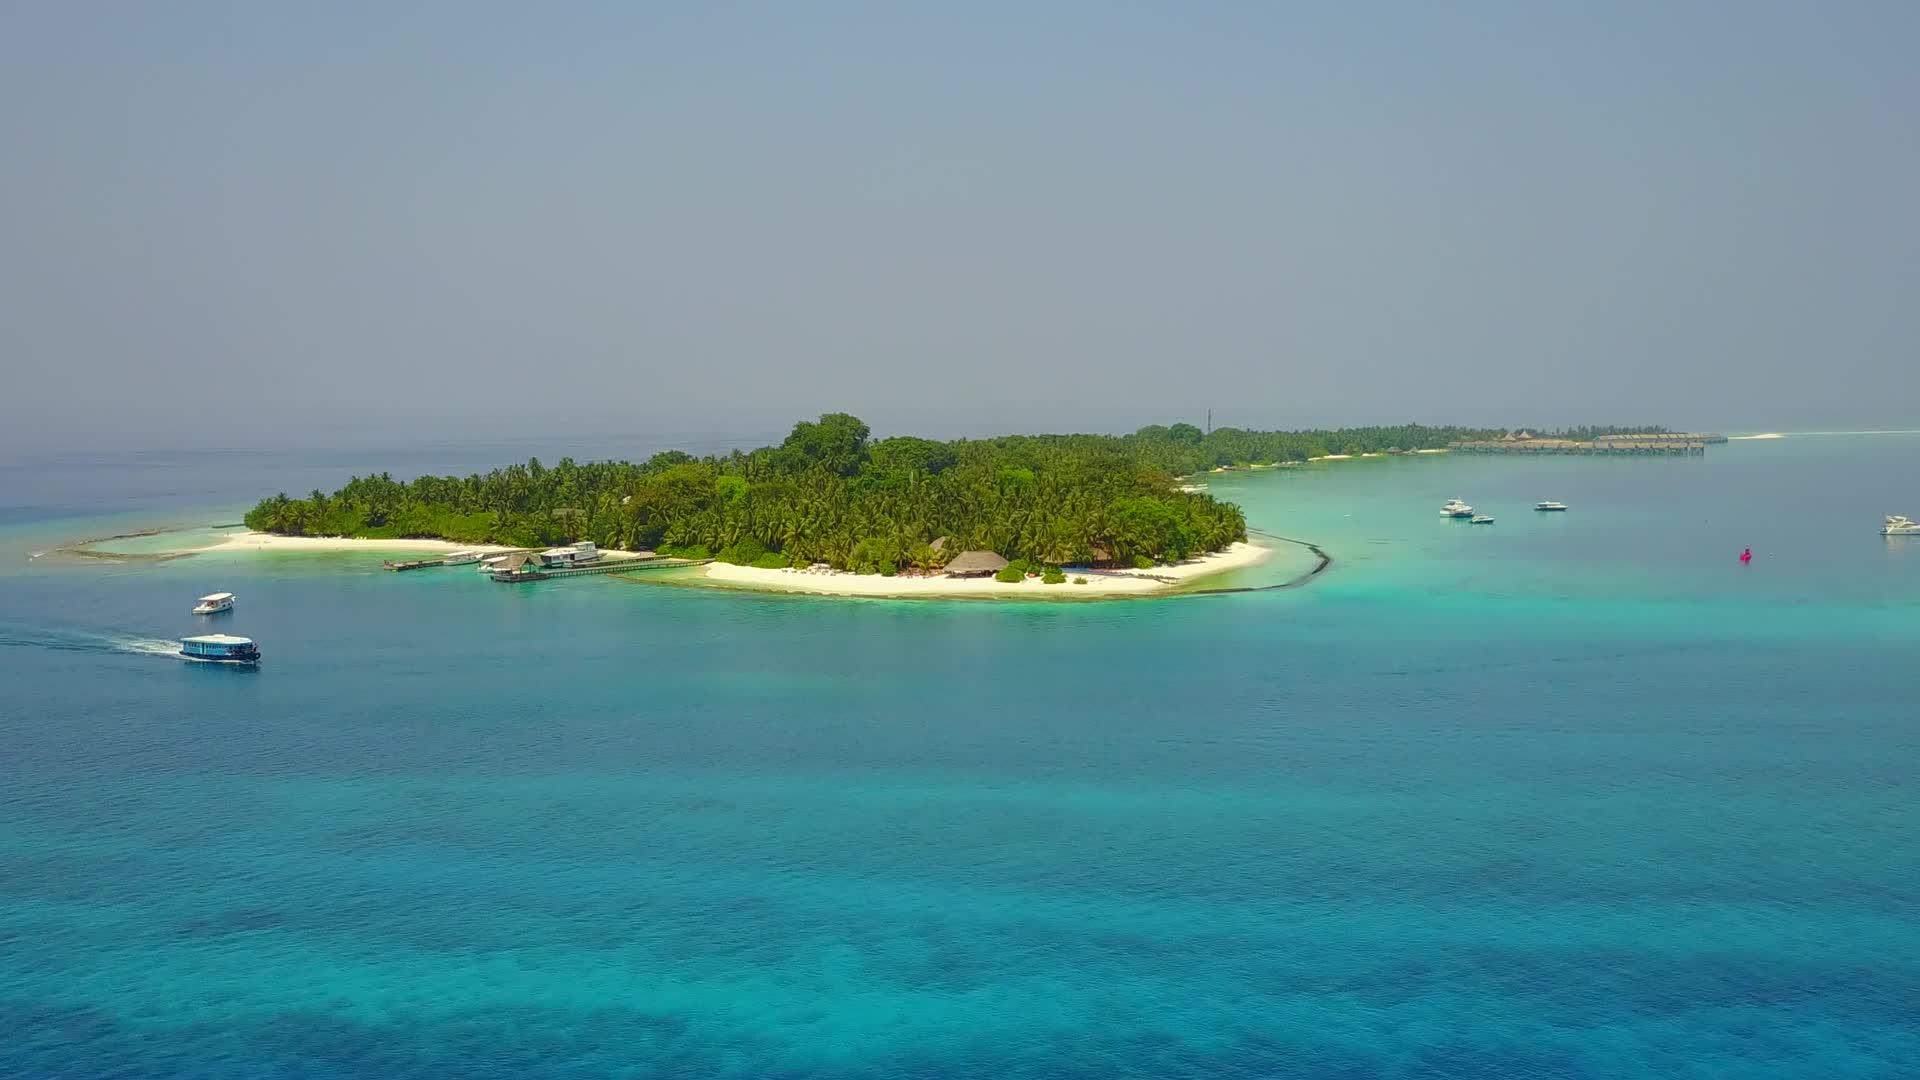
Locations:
{"points": [[413, 564], [1643, 445], [605, 566], [1663, 436]]}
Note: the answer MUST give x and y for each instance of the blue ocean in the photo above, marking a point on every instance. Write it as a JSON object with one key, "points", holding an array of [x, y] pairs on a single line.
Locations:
{"points": [[1566, 796]]}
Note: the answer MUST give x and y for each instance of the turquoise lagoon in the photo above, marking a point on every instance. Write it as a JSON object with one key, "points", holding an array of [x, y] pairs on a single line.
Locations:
{"points": [[1565, 796]]}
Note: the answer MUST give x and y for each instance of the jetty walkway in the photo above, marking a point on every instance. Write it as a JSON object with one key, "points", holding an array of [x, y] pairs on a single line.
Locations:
{"points": [[1674, 444], [605, 566]]}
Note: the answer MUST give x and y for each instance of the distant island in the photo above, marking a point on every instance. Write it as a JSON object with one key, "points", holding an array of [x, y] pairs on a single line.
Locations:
{"points": [[831, 494]]}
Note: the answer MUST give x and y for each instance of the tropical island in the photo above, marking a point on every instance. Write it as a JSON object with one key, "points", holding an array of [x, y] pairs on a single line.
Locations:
{"points": [[831, 498]]}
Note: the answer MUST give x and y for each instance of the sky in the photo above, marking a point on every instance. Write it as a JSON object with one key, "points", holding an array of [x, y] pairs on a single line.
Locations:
{"points": [[284, 221]]}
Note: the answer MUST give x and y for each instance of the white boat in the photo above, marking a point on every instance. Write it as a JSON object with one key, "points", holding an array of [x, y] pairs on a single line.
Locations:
{"points": [[572, 555], [491, 563], [1549, 504], [1480, 519], [461, 558], [1454, 508], [1900, 525], [214, 604], [220, 649]]}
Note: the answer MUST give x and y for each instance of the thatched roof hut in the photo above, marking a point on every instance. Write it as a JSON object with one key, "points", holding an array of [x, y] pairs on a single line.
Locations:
{"points": [[975, 564], [520, 562]]}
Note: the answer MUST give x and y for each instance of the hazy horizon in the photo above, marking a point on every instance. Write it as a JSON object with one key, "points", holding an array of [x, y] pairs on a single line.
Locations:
{"points": [[280, 225]]}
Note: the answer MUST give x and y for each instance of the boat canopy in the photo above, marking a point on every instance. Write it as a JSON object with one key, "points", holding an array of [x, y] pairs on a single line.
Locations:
{"points": [[214, 598], [216, 639]]}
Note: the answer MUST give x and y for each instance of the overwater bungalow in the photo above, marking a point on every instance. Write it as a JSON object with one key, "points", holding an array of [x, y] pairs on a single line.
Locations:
{"points": [[521, 562]]}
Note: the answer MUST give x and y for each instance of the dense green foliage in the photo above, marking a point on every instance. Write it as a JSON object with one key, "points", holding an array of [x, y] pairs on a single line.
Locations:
{"points": [[829, 493], [1182, 448], [1590, 432]]}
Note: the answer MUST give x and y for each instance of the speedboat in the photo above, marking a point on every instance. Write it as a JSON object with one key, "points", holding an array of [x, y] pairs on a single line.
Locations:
{"points": [[1454, 508], [214, 604], [220, 649], [1549, 504], [461, 558], [1480, 519], [1900, 525]]}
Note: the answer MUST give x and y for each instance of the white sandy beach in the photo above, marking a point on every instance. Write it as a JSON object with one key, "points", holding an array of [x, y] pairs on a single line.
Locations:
{"points": [[248, 540], [1107, 583]]}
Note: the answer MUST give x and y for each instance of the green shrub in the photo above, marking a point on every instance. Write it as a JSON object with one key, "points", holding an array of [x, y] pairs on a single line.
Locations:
{"points": [[742, 552], [1010, 574], [772, 560], [1141, 562], [875, 555], [1079, 581], [1053, 576], [685, 551]]}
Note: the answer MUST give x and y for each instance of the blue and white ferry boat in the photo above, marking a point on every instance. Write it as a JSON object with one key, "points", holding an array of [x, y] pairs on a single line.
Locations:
{"points": [[220, 649]]}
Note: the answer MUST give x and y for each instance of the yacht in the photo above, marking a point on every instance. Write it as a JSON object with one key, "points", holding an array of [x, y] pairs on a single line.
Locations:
{"points": [[1900, 525], [1480, 519], [461, 558], [1454, 508], [1549, 504], [214, 604], [220, 649]]}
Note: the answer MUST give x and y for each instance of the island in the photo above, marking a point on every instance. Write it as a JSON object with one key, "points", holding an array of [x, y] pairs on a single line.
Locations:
{"points": [[1096, 513]]}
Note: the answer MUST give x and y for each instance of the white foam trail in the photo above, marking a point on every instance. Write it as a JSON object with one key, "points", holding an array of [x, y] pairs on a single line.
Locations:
{"points": [[146, 646], [1748, 438], [80, 641]]}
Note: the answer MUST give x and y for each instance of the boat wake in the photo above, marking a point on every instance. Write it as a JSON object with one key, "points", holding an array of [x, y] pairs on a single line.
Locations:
{"points": [[146, 646], [1750, 438], [74, 641]]}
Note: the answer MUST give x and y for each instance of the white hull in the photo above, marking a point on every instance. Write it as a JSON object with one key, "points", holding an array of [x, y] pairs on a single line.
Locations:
{"points": [[214, 610], [217, 660]]}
